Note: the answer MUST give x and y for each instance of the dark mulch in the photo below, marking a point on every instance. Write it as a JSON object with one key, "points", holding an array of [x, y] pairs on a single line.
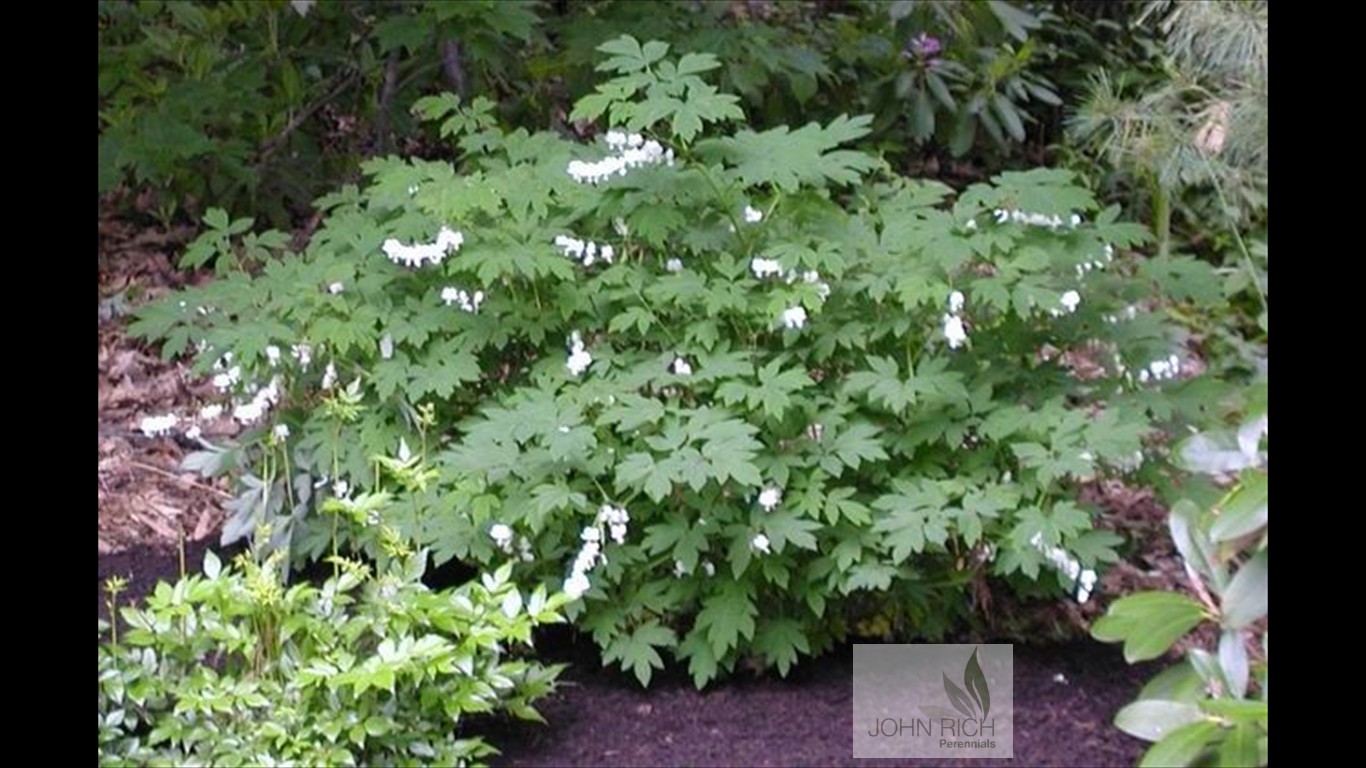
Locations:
{"points": [[602, 717]]}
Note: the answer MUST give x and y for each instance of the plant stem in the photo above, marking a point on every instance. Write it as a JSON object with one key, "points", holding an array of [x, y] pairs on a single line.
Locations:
{"points": [[1162, 218], [1237, 236]]}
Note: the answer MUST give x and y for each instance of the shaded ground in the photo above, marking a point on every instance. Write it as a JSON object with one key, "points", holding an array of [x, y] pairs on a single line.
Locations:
{"points": [[603, 718], [143, 498]]}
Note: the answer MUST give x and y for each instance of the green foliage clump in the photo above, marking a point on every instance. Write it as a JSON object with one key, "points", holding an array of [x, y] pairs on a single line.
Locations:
{"points": [[262, 104], [1201, 126], [1211, 708], [722, 385], [951, 75], [235, 667]]}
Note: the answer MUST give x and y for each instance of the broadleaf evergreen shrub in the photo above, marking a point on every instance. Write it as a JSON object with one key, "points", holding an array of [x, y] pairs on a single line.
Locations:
{"points": [[726, 385], [1211, 707]]}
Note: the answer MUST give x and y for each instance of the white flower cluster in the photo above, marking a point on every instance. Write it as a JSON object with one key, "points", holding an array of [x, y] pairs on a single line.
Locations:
{"points": [[414, 255], [770, 498], [1128, 313], [329, 376], [766, 268], [681, 570], [760, 543], [228, 374], [763, 268], [465, 300], [1087, 266], [303, 354], [155, 426], [585, 252], [681, 367], [502, 536], [260, 403], [335, 288], [579, 359], [591, 555], [615, 518], [753, 215], [794, 318], [954, 331], [673, 265], [1085, 579], [1055, 221], [1159, 370], [631, 151], [1070, 301]]}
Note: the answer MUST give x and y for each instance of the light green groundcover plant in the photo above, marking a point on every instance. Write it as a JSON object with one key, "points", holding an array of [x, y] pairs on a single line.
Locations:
{"points": [[717, 383], [1212, 707], [235, 668]]}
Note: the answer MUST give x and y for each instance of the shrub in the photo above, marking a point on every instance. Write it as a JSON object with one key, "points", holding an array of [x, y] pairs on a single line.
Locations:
{"points": [[1211, 708], [262, 105], [235, 668], [720, 385], [942, 74]]}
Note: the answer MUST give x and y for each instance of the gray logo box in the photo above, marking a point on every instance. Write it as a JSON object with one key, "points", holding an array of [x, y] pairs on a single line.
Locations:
{"points": [[949, 701]]}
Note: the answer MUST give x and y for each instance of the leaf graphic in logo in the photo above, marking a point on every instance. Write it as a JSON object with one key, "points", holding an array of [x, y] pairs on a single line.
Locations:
{"points": [[976, 682], [959, 699]]}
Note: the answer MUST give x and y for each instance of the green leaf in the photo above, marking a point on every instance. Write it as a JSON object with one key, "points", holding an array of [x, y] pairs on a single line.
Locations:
{"points": [[855, 444], [728, 614], [695, 63], [785, 526], [780, 640], [882, 384], [212, 565], [1243, 512], [636, 651], [1183, 746], [701, 661], [627, 55], [553, 497], [1183, 278], [1245, 599], [1148, 622], [1179, 682], [791, 159], [1240, 746], [631, 412], [941, 91], [922, 116], [639, 471], [730, 449], [1017, 22], [1010, 117], [1154, 719]]}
